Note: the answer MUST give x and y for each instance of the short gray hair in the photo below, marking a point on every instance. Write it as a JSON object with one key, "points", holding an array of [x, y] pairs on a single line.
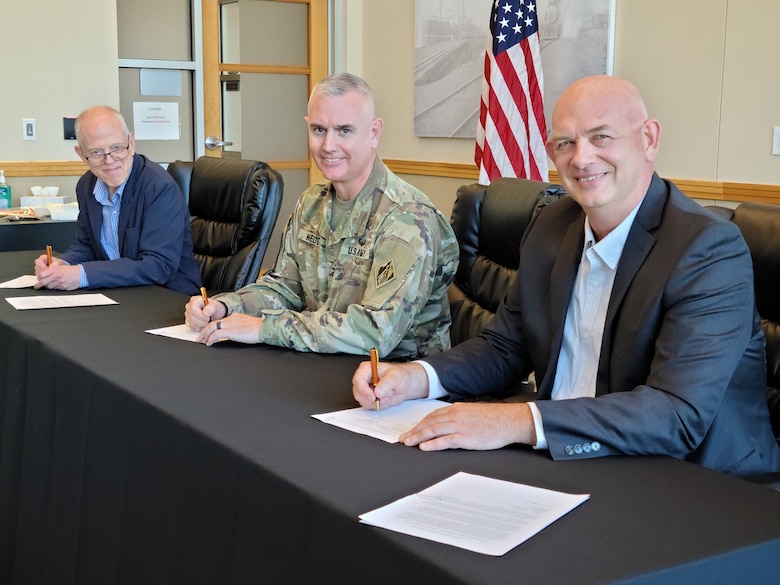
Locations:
{"points": [[340, 84]]}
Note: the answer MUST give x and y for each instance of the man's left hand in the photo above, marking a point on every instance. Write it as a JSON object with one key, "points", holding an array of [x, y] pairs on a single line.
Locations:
{"points": [[473, 425], [236, 327]]}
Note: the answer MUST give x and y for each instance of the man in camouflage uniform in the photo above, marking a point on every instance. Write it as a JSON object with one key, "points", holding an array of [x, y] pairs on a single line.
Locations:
{"points": [[366, 258]]}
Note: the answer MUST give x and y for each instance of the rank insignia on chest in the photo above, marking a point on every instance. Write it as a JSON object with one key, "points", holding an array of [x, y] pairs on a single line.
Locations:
{"points": [[385, 273]]}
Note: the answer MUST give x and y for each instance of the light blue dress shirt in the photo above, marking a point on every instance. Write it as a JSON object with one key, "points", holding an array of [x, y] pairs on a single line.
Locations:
{"points": [[109, 229], [583, 330]]}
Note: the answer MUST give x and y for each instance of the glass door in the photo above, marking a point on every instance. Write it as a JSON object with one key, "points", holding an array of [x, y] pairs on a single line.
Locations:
{"points": [[260, 60], [160, 76]]}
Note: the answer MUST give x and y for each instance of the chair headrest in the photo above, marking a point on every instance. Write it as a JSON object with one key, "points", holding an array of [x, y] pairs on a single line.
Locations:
{"points": [[760, 226], [489, 221], [181, 171], [220, 187]]}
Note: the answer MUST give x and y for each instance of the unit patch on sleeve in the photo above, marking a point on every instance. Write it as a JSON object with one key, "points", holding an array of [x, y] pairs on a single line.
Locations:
{"points": [[385, 274]]}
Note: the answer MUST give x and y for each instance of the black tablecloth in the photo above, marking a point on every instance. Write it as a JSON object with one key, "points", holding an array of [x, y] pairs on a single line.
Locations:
{"points": [[132, 458]]}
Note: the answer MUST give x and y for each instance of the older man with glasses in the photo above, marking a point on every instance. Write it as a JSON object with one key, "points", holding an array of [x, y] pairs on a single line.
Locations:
{"points": [[133, 226]]}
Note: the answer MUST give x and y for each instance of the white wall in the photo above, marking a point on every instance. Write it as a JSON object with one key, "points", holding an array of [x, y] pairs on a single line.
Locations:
{"points": [[751, 93], [57, 58], [673, 52]]}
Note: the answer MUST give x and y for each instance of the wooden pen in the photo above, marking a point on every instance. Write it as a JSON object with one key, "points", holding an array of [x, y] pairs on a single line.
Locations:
{"points": [[205, 296], [48, 255], [375, 372]]}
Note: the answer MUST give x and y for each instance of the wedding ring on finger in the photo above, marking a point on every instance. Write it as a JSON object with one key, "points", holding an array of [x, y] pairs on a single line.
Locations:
{"points": [[219, 324]]}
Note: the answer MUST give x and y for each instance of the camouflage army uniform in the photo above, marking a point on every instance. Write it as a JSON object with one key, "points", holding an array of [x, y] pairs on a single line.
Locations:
{"points": [[378, 280]]}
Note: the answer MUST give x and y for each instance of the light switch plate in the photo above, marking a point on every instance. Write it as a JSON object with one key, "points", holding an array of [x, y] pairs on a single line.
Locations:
{"points": [[29, 129]]}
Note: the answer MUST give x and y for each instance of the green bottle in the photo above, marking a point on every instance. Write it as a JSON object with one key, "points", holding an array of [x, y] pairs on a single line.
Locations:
{"points": [[5, 193]]}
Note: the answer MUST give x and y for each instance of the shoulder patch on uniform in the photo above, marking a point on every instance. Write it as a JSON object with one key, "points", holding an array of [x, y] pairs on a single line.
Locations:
{"points": [[385, 273]]}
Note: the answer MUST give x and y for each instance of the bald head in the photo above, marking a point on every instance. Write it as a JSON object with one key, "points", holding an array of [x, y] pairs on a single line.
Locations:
{"points": [[101, 130], [604, 146], [99, 115], [610, 94]]}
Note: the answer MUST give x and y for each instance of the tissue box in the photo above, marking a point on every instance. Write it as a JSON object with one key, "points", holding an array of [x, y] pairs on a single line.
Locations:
{"points": [[64, 212], [33, 201]]}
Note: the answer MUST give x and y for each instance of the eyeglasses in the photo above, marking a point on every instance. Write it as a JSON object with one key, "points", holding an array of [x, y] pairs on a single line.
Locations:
{"points": [[117, 153]]}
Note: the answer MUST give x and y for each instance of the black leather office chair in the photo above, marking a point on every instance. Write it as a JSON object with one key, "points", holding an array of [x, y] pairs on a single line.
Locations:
{"points": [[489, 222], [760, 226], [234, 204]]}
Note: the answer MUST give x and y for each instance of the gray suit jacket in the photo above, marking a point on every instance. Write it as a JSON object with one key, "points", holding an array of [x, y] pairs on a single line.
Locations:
{"points": [[682, 368]]}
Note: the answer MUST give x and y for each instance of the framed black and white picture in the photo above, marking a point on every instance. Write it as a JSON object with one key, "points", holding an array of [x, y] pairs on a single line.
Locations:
{"points": [[451, 36]]}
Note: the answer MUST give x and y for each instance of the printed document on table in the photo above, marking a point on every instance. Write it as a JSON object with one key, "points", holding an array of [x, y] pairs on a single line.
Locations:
{"points": [[26, 281], [179, 332], [480, 514], [176, 332], [59, 301], [388, 423]]}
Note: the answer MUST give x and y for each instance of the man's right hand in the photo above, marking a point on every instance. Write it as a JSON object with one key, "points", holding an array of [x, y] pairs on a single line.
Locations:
{"points": [[197, 315], [397, 382], [59, 275]]}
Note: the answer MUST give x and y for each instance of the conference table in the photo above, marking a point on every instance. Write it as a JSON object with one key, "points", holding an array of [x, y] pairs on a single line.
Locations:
{"points": [[36, 234], [130, 458]]}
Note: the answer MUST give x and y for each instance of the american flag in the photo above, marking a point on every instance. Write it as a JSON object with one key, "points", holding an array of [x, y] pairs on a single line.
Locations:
{"points": [[512, 131]]}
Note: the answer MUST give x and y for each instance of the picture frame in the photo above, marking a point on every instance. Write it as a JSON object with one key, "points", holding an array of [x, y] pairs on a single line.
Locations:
{"points": [[451, 36]]}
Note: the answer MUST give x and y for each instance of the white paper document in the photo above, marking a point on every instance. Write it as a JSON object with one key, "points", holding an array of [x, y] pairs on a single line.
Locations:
{"points": [[156, 121], [388, 424], [182, 332], [176, 332], [26, 281], [480, 514], [60, 301]]}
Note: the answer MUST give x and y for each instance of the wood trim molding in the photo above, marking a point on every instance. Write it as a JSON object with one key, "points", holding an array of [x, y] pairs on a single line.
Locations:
{"points": [[65, 168], [212, 87], [46, 168], [698, 189], [318, 58], [281, 165], [433, 169]]}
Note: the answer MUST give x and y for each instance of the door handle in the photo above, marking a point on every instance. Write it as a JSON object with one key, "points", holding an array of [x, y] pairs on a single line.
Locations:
{"points": [[212, 143]]}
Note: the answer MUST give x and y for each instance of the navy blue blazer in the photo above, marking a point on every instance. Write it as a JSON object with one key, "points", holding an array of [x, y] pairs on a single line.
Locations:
{"points": [[682, 369], [155, 242]]}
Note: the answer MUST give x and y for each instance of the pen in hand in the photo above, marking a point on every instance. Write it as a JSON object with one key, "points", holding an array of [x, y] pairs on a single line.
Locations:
{"points": [[205, 296], [48, 255], [375, 373]]}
